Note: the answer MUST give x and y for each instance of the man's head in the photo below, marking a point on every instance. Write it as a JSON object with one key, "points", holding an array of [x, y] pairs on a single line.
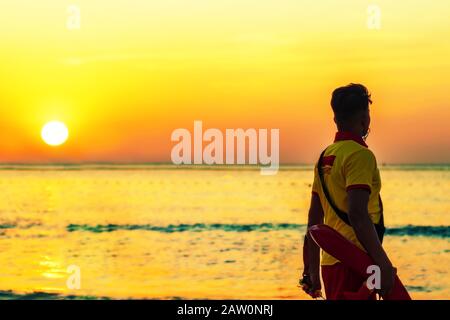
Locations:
{"points": [[351, 108]]}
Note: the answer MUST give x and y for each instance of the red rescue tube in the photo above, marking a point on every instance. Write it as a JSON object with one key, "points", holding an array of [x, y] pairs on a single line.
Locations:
{"points": [[351, 256]]}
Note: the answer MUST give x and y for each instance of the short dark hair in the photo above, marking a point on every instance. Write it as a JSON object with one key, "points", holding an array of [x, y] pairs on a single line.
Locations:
{"points": [[349, 100]]}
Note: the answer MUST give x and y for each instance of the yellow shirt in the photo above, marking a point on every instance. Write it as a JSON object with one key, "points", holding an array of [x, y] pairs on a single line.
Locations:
{"points": [[347, 164]]}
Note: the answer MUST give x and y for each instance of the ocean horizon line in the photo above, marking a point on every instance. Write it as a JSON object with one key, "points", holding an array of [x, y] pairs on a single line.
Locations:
{"points": [[217, 167]]}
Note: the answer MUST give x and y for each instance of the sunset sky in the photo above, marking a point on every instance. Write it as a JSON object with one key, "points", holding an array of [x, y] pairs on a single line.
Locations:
{"points": [[138, 69]]}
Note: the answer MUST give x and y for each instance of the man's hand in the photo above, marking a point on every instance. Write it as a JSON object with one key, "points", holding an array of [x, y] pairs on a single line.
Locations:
{"points": [[310, 283]]}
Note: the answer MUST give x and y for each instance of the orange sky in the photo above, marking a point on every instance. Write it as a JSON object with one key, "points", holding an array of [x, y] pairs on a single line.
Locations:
{"points": [[137, 69]]}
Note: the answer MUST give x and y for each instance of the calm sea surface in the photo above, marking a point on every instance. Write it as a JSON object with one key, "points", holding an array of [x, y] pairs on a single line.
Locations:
{"points": [[156, 232]]}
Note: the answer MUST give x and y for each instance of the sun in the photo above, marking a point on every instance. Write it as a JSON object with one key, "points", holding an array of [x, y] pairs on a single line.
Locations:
{"points": [[54, 133]]}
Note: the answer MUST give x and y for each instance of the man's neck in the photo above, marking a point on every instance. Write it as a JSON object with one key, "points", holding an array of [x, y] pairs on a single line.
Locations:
{"points": [[354, 131]]}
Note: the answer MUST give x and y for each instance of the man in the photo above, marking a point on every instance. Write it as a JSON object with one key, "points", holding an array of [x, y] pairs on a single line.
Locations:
{"points": [[352, 183]]}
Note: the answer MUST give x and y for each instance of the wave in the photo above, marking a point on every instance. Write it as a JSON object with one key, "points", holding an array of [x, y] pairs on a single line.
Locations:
{"points": [[40, 295], [422, 288], [7, 226], [409, 230], [197, 227], [18, 226], [11, 295]]}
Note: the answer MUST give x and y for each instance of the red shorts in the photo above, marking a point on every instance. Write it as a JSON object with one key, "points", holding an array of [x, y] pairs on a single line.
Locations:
{"points": [[341, 283]]}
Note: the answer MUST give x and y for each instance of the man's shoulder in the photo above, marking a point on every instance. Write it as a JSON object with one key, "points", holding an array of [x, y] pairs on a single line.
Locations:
{"points": [[348, 147]]}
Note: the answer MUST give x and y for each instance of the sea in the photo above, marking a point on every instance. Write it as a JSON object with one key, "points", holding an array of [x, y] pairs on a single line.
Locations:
{"points": [[157, 231]]}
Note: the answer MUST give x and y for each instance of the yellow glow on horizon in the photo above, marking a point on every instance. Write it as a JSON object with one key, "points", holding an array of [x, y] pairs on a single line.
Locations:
{"points": [[136, 70]]}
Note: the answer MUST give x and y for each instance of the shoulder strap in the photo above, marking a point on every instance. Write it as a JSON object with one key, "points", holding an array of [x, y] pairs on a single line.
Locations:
{"points": [[341, 214]]}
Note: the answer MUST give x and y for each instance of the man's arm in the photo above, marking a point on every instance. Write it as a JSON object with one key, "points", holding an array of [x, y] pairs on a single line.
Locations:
{"points": [[358, 200], [315, 216]]}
